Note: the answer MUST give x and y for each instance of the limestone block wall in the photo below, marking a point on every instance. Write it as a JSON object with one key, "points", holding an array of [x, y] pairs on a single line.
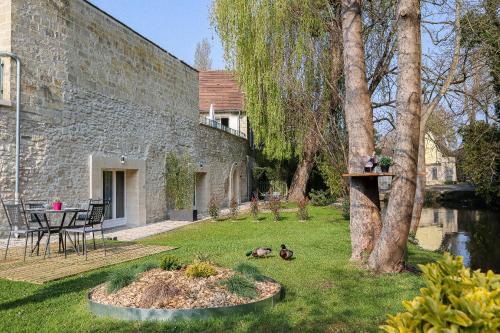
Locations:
{"points": [[92, 89], [225, 156]]}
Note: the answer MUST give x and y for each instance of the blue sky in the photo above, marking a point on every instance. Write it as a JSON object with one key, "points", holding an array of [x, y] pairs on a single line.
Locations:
{"points": [[175, 25]]}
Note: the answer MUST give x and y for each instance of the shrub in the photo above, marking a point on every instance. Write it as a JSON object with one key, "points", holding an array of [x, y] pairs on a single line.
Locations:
{"points": [[170, 263], [179, 175], [320, 198], [303, 212], [233, 208], [213, 208], [241, 286], [275, 207], [123, 277], [456, 299], [254, 207], [346, 209], [200, 269]]}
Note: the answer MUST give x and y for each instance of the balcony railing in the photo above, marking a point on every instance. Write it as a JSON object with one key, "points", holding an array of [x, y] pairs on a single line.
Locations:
{"points": [[216, 124]]}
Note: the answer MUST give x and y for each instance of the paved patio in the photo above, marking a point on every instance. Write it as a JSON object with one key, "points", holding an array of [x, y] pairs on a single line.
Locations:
{"points": [[38, 270]]}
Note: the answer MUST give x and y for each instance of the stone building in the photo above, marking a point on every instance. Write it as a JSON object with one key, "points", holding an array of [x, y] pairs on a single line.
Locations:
{"points": [[220, 90], [101, 106]]}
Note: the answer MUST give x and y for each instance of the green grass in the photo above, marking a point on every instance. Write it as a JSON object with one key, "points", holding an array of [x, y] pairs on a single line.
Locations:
{"points": [[323, 291], [123, 277], [241, 286]]}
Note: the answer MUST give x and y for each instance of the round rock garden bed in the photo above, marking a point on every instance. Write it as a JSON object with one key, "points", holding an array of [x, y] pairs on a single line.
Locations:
{"points": [[173, 295]]}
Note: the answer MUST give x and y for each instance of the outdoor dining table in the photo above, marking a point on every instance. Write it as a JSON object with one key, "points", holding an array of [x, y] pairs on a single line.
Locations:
{"points": [[50, 226]]}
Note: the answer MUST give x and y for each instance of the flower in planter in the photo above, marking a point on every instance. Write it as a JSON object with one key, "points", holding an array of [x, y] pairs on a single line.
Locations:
{"points": [[385, 163], [57, 204]]}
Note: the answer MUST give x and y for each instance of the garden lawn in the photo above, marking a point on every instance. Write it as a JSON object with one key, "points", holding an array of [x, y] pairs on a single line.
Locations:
{"points": [[324, 292]]}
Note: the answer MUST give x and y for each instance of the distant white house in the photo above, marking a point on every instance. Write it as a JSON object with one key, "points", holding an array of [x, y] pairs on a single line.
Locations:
{"points": [[438, 168]]}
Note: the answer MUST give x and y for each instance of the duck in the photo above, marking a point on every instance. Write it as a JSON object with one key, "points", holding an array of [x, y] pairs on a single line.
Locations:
{"points": [[259, 252], [285, 253]]}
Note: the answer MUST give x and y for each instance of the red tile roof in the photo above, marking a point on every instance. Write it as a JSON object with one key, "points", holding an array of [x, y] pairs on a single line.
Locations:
{"points": [[221, 89]]}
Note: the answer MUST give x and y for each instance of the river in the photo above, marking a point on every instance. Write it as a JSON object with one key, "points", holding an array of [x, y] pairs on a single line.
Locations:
{"points": [[472, 234]]}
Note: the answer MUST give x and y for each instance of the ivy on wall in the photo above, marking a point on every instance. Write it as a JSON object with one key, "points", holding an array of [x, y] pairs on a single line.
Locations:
{"points": [[179, 181]]}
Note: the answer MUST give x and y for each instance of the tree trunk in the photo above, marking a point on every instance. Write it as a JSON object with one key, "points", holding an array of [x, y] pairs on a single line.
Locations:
{"points": [[365, 221], [418, 205], [388, 255], [301, 176]]}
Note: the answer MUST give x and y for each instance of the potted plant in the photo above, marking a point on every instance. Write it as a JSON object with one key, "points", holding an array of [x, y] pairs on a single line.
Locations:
{"points": [[385, 162], [57, 204], [179, 187]]}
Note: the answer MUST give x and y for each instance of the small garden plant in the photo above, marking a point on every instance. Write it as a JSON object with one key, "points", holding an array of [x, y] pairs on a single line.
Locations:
{"points": [[456, 299], [320, 198], [233, 208], [123, 277], [241, 286], [254, 207], [200, 269], [170, 263], [303, 211], [275, 207], [346, 208], [213, 208]]}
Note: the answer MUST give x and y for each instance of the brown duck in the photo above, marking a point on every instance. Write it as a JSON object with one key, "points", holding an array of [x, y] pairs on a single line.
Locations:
{"points": [[260, 252], [286, 253]]}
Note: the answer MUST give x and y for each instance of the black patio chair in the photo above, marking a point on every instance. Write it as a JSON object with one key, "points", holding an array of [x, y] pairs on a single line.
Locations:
{"points": [[34, 219], [94, 222], [18, 224]]}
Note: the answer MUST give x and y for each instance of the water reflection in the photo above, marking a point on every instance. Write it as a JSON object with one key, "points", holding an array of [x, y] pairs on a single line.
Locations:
{"points": [[469, 233]]}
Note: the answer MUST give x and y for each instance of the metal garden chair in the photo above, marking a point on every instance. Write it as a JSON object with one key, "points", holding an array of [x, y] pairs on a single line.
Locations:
{"points": [[18, 224], [93, 223]]}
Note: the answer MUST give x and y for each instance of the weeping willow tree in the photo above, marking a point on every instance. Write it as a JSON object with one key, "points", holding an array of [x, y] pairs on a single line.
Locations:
{"points": [[283, 52]]}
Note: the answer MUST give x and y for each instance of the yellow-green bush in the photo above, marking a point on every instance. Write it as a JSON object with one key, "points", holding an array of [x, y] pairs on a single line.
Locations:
{"points": [[200, 269], [456, 299]]}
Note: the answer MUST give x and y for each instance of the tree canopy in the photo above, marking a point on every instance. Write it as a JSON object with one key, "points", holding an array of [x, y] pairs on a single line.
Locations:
{"points": [[281, 52]]}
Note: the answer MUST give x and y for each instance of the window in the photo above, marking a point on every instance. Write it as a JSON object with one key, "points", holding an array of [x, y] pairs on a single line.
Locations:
{"points": [[434, 173], [224, 121], [449, 174]]}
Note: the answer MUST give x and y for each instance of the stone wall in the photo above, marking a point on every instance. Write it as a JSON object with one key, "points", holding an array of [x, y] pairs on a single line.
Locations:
{"points": [[226, 157], [93, 87]]}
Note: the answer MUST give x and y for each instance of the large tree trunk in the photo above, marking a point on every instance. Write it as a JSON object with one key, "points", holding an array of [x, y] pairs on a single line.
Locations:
{"points": [[365, 221], [418, 205], [388, 255], [303, 171]]}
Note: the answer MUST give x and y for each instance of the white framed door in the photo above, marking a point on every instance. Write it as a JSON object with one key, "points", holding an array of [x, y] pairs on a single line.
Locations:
{"points": [[114, 191]]}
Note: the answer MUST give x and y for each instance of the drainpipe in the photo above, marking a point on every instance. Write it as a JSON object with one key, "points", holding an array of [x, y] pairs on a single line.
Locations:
{"points": [[18, 116], [239, 119]]}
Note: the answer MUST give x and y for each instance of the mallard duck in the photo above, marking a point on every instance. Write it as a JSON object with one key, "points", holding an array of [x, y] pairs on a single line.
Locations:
{"points": [[285, 253], [259, 252]]}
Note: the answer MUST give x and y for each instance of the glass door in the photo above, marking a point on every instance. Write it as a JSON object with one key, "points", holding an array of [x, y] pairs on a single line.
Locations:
{"points": [[114, 193], [107, 186]]}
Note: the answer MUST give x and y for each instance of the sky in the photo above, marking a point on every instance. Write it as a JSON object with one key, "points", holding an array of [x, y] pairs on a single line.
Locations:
{"points": [[175, 25]]}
